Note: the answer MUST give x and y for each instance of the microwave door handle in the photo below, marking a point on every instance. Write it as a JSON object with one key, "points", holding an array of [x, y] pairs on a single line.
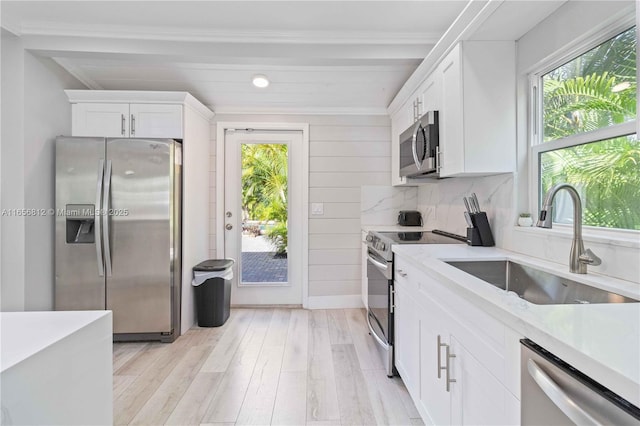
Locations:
{"points": [[414, 143]]}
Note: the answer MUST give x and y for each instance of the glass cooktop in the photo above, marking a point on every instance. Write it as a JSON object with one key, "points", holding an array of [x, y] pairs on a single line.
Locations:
{"points": [[407, 237]]}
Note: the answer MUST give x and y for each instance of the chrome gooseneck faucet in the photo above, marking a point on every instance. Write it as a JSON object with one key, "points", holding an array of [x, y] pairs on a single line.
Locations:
{"points": [[579, 258]]}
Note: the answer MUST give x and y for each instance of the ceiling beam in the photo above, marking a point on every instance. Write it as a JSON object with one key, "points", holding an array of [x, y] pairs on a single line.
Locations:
{"points": [[204, 52], [130, 32]]}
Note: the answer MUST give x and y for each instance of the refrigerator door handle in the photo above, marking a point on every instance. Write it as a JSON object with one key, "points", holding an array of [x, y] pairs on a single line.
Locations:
{"points": [[98, 219], [106, 204]]}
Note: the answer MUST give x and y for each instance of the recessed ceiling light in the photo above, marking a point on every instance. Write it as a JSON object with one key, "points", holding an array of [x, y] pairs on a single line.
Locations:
{"points": [[260, 81]]}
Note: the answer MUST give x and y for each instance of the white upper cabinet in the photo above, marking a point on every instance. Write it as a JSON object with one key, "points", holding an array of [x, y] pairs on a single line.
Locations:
{"points": [[108, 120], [478, 109], [131, 114], [430, 94], [155, 121], [474, 90], [127, 120]]}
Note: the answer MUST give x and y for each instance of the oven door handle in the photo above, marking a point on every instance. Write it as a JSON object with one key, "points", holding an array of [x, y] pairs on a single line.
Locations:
{"points": [[377, 263], [569, 407], [374, 334]]}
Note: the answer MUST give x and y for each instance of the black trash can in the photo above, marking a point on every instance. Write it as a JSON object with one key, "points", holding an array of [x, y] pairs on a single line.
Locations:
{"points": [[212, 280]]}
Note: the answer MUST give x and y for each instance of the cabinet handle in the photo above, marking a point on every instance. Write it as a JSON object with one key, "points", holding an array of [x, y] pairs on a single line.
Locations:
{"points": [[447, 368], [448, 356], [418, 109], [402, 273], [438, 159], [440, 345], [122, 124], [392, 302], [133, 125]]}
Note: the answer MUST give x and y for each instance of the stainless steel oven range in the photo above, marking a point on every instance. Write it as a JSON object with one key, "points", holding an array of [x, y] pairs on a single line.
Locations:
{"points": [[380, 281]]}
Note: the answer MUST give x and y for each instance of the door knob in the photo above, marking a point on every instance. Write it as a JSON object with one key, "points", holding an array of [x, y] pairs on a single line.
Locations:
{"points": [[228, 227]]}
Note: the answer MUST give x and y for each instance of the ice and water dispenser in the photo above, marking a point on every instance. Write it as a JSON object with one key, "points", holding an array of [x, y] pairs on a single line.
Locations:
{"points": [[80, 223]]}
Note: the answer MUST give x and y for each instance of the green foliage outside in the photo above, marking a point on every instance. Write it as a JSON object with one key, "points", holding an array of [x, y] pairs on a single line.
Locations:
{"points": [[264, 189], [596, 90]]}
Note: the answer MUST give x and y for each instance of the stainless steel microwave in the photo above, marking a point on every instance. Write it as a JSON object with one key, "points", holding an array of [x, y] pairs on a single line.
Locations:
{"points": [[419, 147]]}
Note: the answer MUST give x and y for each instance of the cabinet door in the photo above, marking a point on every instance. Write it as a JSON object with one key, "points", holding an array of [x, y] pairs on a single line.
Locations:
{"points": [[451, 116], [477, 397], [430, 96], [156, 121], [434, 398], [406, 339], [106, 120]]}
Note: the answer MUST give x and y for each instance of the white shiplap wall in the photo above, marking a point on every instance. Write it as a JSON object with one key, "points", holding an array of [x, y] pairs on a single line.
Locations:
{"points": [[345, 152]]}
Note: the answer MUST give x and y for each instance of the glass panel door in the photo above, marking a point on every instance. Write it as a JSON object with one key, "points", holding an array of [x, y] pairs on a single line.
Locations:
{"points": [[264, 199], [263, 215]]}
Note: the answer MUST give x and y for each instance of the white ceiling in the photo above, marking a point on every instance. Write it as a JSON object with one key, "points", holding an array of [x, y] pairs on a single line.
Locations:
{"points": [[321, 56]]}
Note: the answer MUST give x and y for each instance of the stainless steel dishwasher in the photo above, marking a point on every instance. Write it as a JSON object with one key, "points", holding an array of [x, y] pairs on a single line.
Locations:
{"points": [[554, 393]]}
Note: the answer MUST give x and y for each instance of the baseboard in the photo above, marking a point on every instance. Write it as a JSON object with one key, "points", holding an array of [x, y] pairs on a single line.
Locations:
{"points": [[335, 302]]}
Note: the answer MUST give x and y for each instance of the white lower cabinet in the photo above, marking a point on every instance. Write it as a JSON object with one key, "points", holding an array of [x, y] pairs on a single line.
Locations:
{"points": [[477, 397], [435, 399], [451, 356], [406, 339]]}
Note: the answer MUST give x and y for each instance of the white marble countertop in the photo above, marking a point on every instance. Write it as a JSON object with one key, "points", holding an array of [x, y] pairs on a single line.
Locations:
{"points": [[601, 340], [24, 334]]}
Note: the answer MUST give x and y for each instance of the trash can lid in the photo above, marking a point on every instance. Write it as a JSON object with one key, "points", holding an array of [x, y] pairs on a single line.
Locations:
{"points": [[214, 265]]}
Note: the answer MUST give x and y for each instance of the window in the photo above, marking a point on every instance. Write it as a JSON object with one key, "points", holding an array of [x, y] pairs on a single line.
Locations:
{"points": [[585, 133]]}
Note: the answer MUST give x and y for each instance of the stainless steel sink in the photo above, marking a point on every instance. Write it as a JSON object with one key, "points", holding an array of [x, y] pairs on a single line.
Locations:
{"points": [[536, 286]]}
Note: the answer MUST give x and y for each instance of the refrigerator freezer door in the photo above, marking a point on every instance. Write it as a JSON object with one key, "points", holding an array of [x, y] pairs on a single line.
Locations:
{"points": [[78, 255], [140, 238]]}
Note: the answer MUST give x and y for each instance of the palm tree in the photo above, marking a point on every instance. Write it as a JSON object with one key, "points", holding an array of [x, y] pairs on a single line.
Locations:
{"points": [[264, 181], [265, 188], [588, 94]]}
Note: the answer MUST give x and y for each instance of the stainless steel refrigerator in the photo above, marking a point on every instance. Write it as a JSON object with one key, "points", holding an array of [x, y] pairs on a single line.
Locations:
{"points": [[118, 232]]}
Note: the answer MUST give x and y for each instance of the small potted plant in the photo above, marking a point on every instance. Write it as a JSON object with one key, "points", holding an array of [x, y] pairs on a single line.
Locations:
{"points": [[525, 219]]}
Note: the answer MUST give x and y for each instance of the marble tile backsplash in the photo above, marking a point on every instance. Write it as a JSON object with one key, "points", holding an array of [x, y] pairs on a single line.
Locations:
{"points": [[379, 205], [442, 207]]}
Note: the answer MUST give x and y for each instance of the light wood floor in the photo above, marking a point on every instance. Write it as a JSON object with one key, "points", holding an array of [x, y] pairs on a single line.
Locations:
{"points": [[264, 366]]}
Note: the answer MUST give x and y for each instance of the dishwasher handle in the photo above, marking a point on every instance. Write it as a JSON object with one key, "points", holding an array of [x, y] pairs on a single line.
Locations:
{"points": [[572, 410]]}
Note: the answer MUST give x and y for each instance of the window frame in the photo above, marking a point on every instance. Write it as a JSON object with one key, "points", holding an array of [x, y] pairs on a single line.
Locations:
{"points": [[536, 146]]}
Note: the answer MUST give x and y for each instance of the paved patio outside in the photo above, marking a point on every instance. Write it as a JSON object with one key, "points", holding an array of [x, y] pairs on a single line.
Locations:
{"points": [[258, 262]]}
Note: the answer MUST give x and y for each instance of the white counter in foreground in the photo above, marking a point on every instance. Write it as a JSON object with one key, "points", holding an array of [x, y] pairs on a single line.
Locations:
{"points": [[601, 340], [56, 368]]}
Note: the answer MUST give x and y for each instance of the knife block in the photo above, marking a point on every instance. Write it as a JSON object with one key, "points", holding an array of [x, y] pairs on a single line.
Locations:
{"points": [[480, 234], [473, 237]]}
